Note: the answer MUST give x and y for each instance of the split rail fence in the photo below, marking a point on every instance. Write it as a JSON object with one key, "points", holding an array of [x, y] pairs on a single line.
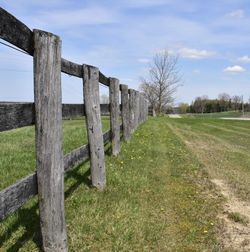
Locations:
{"points": [[46, 113]]}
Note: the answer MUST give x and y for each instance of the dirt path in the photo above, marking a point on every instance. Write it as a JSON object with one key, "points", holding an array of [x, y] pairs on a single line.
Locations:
{"points": [[236, 118], [174, 116], [212, 151], [235, 220]]}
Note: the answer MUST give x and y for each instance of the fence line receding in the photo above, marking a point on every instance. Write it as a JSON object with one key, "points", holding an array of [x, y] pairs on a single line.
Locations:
{"points": [[47, 112]]}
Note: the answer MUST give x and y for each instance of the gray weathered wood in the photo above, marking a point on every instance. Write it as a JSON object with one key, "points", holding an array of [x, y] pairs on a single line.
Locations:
{"points": [[146, 110], [49, 149], [94, 125], [81, 154], [15, 32], [14, 196], [15, 115], [140, 109], [74, 69], [131, 110], [103, 79], [125, 111], [71, 68], [76, 157], [137, 108], [114, 90]]}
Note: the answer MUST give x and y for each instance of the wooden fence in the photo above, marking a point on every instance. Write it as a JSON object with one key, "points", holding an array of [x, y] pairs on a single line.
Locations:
{"points": [[46, 113]]}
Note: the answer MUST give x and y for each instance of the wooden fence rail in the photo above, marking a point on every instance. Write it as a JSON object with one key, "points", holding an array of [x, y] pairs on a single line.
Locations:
{"points": [[18, 114], [47, 113]]}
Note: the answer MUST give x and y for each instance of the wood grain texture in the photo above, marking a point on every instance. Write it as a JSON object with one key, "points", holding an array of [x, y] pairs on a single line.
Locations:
{"points": [[74, 69], [137, 109], [103, 79], [94, 125], [125, 111], [114, 90], [15, 115], [71, 68], [15, 32], [14, 196], [49, 149], [131, 110]]}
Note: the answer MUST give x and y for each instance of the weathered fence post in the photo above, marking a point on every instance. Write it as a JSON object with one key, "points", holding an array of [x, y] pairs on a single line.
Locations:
{"points": [[141, 109], [146, 110], [125, 111], [114, 90], [131, 110], [94, 125], [137, 108], [49, 149]]}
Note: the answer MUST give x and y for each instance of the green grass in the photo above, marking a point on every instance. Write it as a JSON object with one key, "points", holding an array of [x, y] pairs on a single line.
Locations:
{"points": [[157, 194], [17, 148], [226, 114], [222, 147]]}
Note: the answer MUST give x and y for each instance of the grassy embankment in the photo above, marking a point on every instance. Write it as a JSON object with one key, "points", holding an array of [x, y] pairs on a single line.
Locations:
{"points": [[157, 195]]}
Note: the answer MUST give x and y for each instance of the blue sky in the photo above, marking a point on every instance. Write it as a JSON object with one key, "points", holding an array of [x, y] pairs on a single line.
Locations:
{"points": [[212, 39]]}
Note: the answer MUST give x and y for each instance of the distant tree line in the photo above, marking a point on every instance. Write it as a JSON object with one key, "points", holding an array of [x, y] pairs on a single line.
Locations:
{"points": [[224, 102]]}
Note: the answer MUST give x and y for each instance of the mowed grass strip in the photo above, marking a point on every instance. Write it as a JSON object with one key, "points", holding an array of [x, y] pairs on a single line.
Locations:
{"points": [[226, 114], [154, 201], [222, 147]]}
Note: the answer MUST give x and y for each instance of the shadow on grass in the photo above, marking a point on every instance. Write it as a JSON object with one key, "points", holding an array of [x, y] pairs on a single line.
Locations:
{"points": [[28, 218]]}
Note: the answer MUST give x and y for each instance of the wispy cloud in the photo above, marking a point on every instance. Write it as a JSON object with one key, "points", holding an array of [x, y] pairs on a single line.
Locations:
{"points": [[236, 14], [244, 59], [234, 69], [192, 53]]}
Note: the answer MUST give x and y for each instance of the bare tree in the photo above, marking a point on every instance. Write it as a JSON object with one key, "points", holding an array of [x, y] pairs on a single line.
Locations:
{"points": [[236, 101], [149, 92], [164, 79]]}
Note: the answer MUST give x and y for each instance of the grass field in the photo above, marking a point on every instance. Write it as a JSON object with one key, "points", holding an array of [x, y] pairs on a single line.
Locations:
{"points": [[159, 194], [236, 114]]}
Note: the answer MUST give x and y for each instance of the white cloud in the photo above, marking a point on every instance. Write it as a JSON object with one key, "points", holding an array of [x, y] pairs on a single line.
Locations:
{"points": [[234, 69], [244, 59], [194, 53], [236, 14]]}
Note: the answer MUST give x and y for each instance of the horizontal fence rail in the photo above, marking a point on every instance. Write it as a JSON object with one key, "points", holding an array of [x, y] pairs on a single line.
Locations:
{"points": [[16, 195], [16, 114], [47, 113]]}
